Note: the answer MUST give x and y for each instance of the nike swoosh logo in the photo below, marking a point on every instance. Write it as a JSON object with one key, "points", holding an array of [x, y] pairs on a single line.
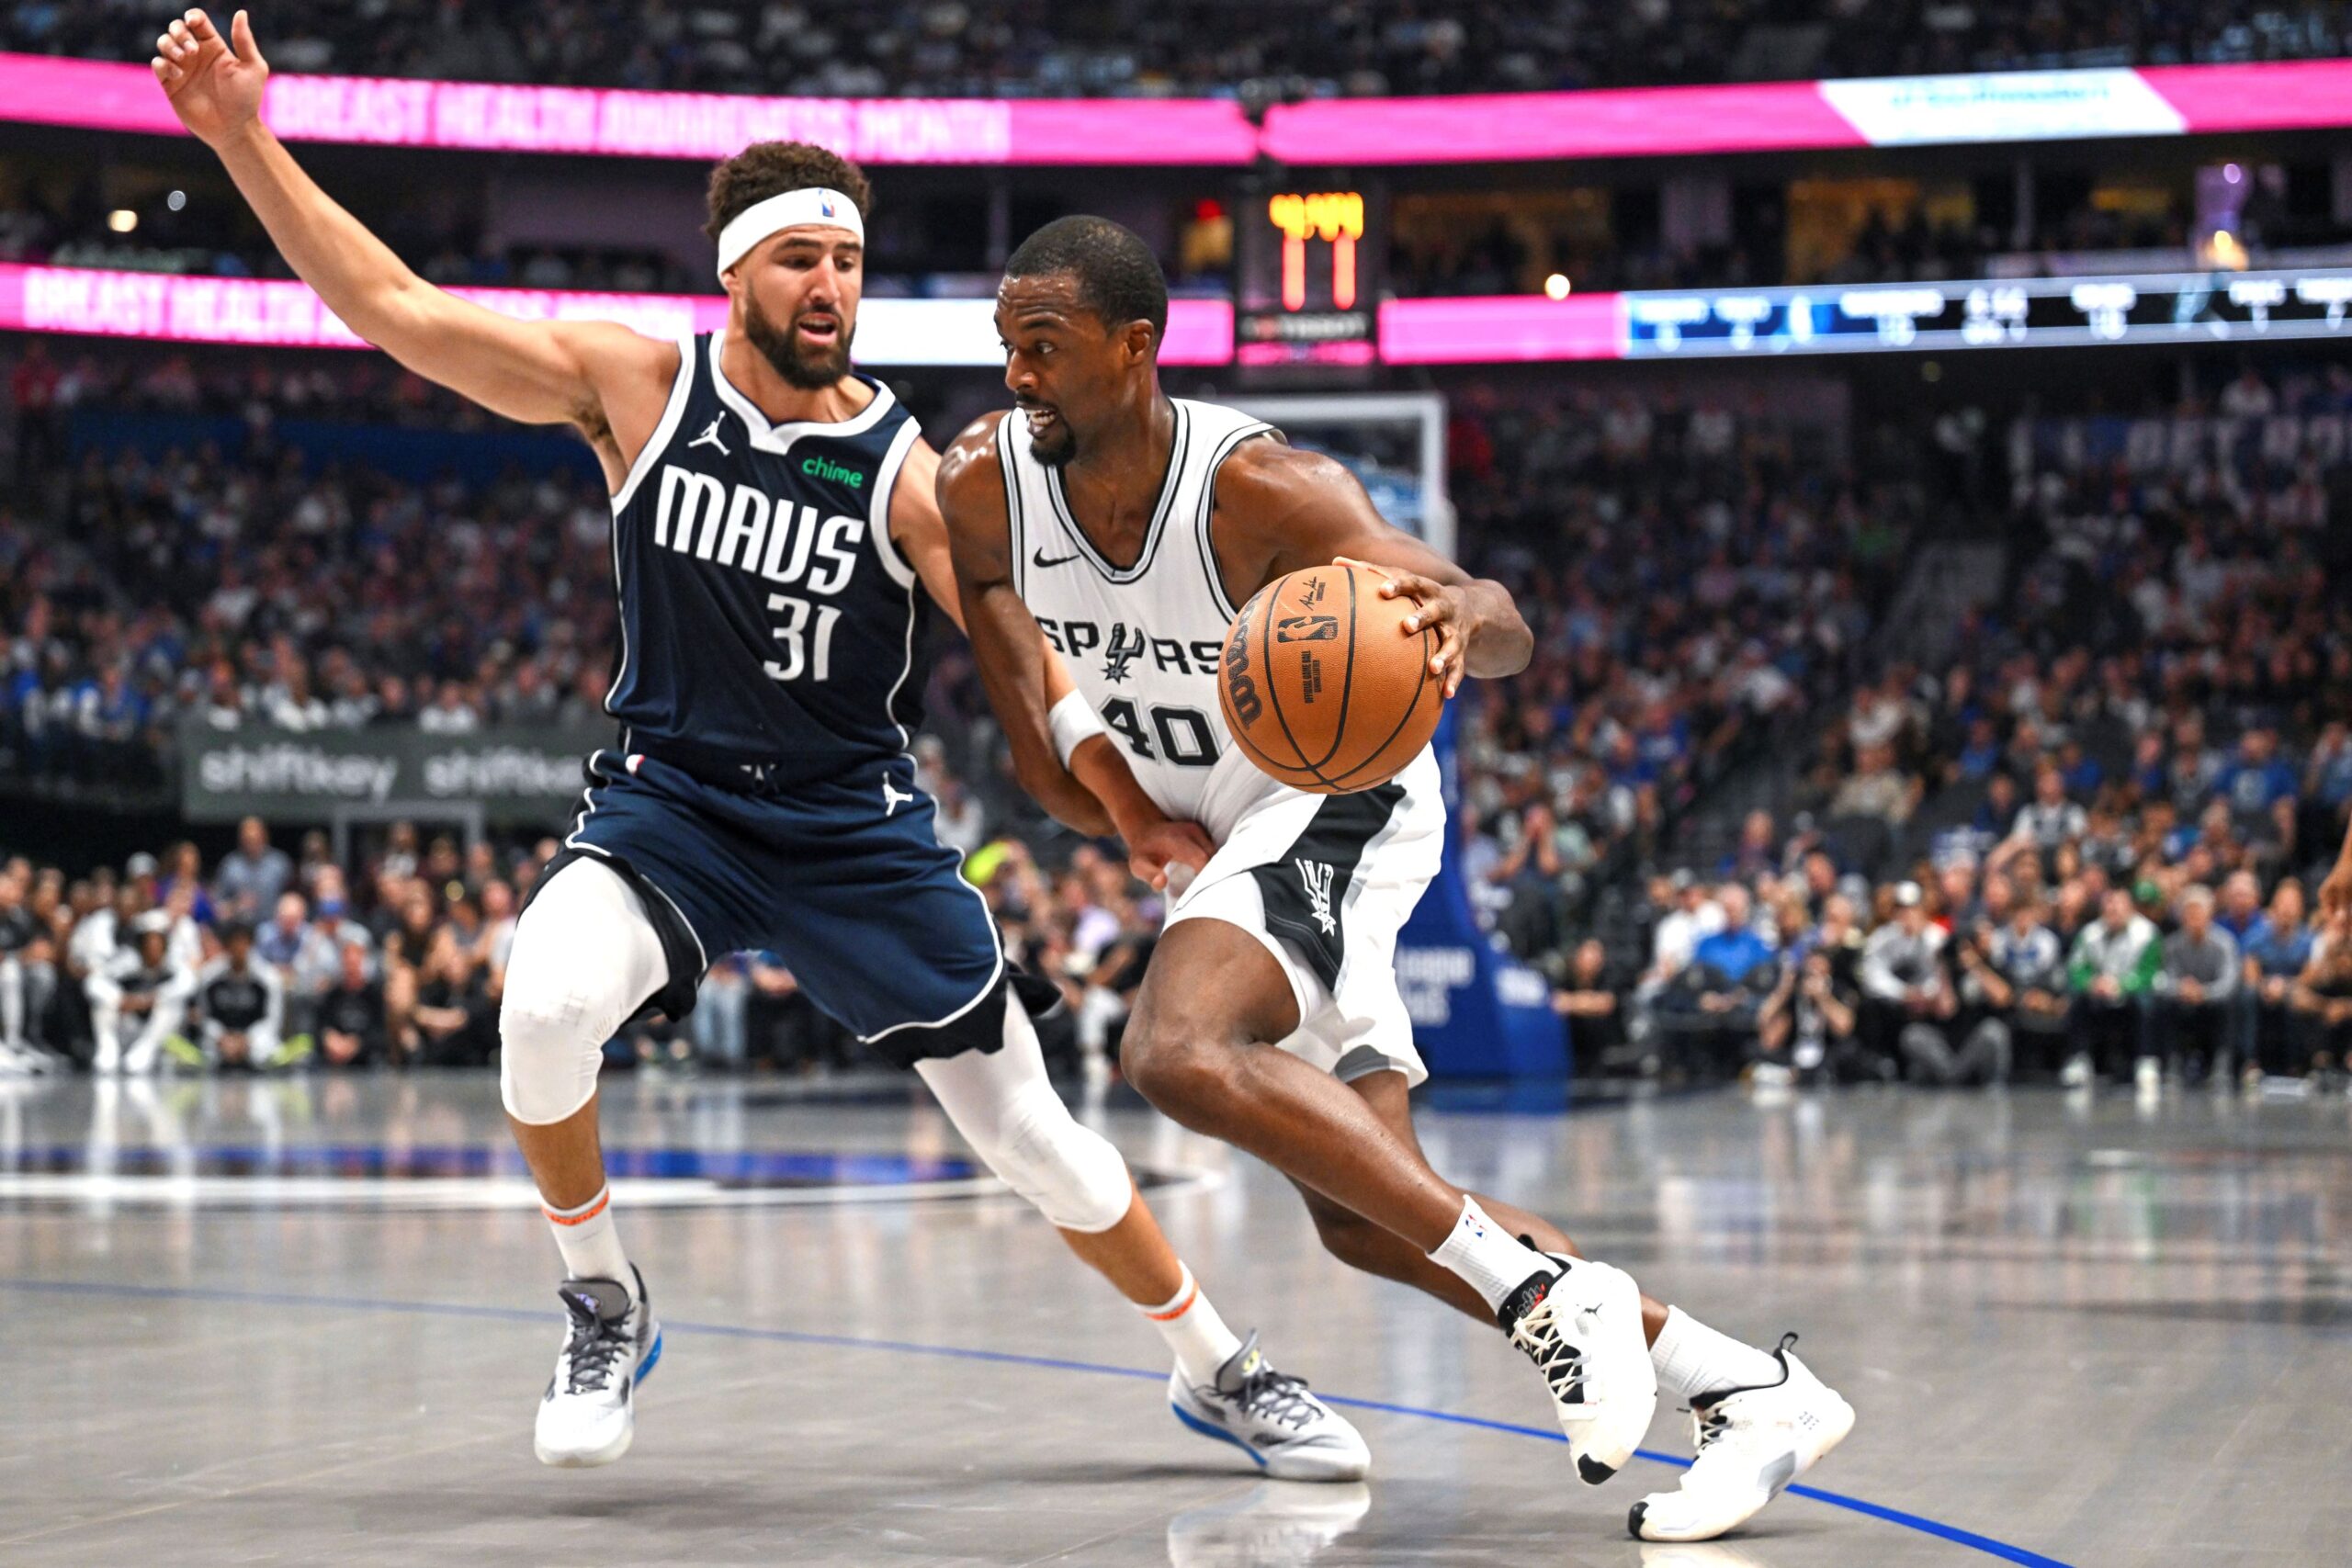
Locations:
{"points": [[1038, 559]]}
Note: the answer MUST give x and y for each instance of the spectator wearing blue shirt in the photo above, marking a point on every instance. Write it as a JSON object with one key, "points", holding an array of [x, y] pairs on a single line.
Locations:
{"points": [[1732, 972], [1663, 739], [2151, 773], [2256, 778], [2083, 774], [187, 870], [2277, 947], [1982, 754], [1733, 952], [1998, 809], [2240, 906]]}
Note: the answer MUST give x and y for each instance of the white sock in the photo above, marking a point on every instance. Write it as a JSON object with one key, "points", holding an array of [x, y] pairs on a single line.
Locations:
{"points": [[1492, 1262], [591, 1241], [1692, 1359], [1192, 1329]]}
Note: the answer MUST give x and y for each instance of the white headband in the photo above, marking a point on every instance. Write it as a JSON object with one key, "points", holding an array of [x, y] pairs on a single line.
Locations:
{"points": [[790, 209]]}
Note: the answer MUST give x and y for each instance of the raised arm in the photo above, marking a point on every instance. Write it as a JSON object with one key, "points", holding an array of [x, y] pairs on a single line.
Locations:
{"points": [[1023, 677], [595, 376], [1281, 510]]}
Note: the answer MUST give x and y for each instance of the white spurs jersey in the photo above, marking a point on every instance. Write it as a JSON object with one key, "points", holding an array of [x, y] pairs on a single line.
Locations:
{"points": [[1143, 642]]}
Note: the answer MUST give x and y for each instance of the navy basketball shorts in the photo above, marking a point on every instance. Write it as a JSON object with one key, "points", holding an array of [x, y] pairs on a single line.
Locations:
{"points": [[844, 880]]}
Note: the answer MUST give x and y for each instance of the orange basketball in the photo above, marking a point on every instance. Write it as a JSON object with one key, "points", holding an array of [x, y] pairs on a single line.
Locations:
{"points": [[1321, 685]]}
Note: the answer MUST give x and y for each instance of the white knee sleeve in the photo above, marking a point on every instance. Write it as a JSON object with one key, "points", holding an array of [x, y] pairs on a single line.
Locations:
{"points": [[585, 956], [1006, 1107]]}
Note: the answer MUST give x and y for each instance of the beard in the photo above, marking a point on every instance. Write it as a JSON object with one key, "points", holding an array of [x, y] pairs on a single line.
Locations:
{"points": [[1054, 449], [811, 369]]}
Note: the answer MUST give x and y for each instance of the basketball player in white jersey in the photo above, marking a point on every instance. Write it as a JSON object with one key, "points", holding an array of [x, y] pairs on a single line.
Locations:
{"points": [[761, 742], [1130, 526]]}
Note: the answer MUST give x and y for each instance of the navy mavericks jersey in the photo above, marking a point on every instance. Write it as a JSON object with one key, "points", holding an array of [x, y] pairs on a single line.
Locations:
{"points": [[766, 618]]}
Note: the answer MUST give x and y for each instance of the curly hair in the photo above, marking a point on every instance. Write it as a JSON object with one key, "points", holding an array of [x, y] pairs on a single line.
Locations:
{"points": [[770, 168]]}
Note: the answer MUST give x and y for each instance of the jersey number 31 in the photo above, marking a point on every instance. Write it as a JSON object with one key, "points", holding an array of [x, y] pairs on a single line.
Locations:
{"points": [[793, 633]]}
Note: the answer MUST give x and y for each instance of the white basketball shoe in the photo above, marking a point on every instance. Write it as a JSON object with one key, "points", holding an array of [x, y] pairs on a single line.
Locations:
{"points": [[1272, 1417], [1582, 1327], [1752, 1442], [588, 1414]]}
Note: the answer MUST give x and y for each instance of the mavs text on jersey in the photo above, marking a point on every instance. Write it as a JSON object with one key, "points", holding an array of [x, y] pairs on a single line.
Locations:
{"points": [[761, 795]]}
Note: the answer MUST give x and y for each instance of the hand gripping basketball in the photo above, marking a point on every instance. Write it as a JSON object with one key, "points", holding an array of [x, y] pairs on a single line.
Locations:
{"points": [[1331, 684]]}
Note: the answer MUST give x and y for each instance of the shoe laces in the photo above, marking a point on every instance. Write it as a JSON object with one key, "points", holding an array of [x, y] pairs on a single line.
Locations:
{"points": [[597, 1344], [1713, 1424], [1561, 1362], [1278, 1397], [1714, 1421]]}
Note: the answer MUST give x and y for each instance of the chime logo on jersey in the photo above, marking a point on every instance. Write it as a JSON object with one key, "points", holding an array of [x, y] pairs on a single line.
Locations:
{"points": [[1119, 658], [696, 514]]}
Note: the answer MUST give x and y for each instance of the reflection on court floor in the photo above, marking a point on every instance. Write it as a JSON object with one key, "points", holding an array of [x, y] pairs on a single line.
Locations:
{"points": [[307, 1320]]}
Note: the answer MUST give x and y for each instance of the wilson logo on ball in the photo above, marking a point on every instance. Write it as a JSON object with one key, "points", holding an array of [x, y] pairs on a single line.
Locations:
{"points": [[1241, 688]]}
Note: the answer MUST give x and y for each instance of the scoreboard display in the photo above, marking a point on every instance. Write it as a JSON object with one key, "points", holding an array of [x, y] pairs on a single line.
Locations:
{"points": [[2049, 312], [1309, 265]]}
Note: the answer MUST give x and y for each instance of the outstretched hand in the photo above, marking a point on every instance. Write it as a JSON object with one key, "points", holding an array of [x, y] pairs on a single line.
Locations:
{"points": [[1435, 606], [1155, 852], [214, 83]]}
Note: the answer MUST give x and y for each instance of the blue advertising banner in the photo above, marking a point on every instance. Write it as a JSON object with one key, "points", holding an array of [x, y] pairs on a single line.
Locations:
{"points": [[1477, 1013]]}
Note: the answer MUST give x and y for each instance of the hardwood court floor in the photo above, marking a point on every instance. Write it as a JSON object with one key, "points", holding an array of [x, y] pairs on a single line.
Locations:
{"points": [[308, 1323]]}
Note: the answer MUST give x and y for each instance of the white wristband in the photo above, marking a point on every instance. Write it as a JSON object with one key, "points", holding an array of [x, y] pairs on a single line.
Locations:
{"points": [[1072, 720]]}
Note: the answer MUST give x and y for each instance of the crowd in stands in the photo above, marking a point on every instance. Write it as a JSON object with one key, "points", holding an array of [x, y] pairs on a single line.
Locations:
{"points": [[1710, 572], [176, 582], [270, 959], [1704, 573], [2086, 843], [1025, 47], [2079, 833]]}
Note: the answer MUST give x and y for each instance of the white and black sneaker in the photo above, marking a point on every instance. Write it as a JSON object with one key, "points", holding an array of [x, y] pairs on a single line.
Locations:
{"points": [[1582, 1327], [1272, 1417], [588, 1415], [1752, 1442]]}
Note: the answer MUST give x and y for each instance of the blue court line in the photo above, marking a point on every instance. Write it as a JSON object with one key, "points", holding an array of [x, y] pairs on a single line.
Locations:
{"points": [[1954, 1533]]}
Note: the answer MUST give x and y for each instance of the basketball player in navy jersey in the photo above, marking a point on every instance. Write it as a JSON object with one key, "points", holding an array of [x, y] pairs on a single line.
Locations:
{"points": [[775, 545], [1130, 524]]}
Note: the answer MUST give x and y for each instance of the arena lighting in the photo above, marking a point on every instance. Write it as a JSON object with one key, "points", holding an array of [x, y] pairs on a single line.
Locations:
{"points": [[1891, 111], [122, 220], [1557, 286]]}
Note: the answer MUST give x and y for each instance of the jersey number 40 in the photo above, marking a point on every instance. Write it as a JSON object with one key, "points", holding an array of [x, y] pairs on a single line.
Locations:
{"points": [[1185, 738]]}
